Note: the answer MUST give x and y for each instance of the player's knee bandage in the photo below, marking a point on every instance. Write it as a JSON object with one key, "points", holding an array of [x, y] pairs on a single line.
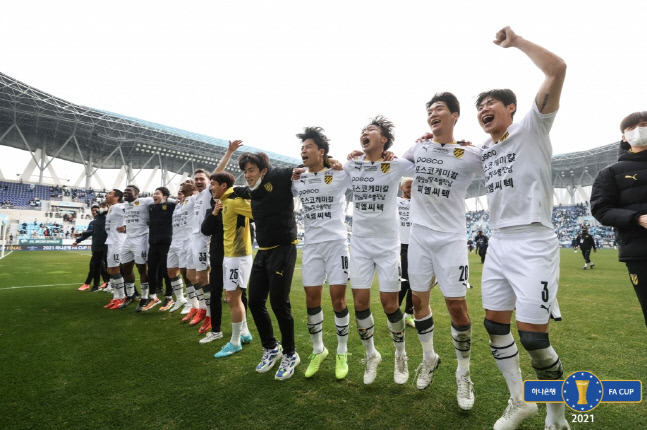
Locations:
{"points": [[395, 316], [425, 326], [496, 328], [543, 357]]}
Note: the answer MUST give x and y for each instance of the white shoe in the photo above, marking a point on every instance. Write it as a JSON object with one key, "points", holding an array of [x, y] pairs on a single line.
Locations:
{"points": [[401, 370], [370, 371], [211, 336], [187, 307], [514, 414], [465, 392], [178, 304], [426, 372]]}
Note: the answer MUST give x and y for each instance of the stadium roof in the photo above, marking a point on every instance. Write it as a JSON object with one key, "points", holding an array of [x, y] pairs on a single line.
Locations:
{"points": [[31, 119]]}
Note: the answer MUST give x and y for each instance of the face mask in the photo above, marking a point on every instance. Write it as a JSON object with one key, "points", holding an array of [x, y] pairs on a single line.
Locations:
{"points": [[637, 136], [257, 184]]}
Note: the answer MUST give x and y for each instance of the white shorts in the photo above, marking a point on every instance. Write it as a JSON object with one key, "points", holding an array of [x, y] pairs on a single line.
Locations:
{"points": [[440, 254], [113, 256], [325, 260], [177, 254], [368, 254], [236, 271], [135, 248], [198, 259], [521, 272]]}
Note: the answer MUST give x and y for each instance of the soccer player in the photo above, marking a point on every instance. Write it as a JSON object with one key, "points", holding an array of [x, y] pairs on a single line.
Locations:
{"points": [[375, 243], [115, 219], [325, 252], [618, 199], [585, 242], [198, 266], [180, 249], [404, 208], [438, 245], [135, 248], [237, 262], [270, 191], [160, 230], [521, 271]]}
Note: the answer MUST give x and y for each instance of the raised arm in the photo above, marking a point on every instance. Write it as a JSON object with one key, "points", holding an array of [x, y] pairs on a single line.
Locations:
{"points": [[233, 146], [553, 67]]}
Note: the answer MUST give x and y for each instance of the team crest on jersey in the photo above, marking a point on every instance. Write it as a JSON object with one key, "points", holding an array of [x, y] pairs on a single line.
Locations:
{"points": [[164, 207], [504, 137], [459, 152], [328, 179], [634, 278], [269, 187], [385, 167], [136, 203]]}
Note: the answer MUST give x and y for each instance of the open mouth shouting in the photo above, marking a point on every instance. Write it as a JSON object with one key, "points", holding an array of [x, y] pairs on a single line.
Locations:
{"points": [[486, 119]]}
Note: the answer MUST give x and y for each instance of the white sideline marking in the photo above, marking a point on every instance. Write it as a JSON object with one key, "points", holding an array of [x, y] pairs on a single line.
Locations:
{"points": [[35, 286]]}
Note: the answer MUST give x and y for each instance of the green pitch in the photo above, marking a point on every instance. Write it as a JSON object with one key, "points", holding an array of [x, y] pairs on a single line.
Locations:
{"points": [[67, 363]]}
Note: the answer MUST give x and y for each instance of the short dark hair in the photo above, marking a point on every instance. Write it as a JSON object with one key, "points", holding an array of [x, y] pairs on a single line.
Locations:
{"points": [[201, 170], [165, 192], [119, 194], [633, 119], [223, 178], [260, 159], [449, 99], [505, 96], [386, 128], [317, 136], [135, 187]]}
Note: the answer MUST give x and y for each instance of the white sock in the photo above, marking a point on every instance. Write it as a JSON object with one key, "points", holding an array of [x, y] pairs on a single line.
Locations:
{"points": [[235, 334], [342, 321], [425, 328], [315, 328], [365, 329], [395, 322], [462, 337], [504, 350], [130, 288]]}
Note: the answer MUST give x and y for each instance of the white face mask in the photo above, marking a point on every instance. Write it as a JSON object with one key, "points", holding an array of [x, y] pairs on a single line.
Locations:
{"points": [[637, 136], [257, 184]]}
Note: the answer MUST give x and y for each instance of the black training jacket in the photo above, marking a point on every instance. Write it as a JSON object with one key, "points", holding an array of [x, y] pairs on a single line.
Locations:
{"points": [[618, 198], [273, 208]]}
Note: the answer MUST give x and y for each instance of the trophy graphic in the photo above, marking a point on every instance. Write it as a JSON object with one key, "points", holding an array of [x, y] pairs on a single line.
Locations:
{"points": [[582, 386]]}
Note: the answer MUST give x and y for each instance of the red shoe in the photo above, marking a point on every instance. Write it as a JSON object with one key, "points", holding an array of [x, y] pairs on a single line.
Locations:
{"points": [[206, 325], [110, 303], [104, 285], [193, 312], [118, 303], [84, 287], [202, 314]]}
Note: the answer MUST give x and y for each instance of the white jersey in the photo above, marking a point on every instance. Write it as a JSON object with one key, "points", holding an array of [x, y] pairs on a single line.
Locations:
{"points": [[518, 173], [116, 217], [404, 206], [202, 201], [442, 175], [323, 197], [137, 216], [189, 204], [180, 228], [375, 191]]}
